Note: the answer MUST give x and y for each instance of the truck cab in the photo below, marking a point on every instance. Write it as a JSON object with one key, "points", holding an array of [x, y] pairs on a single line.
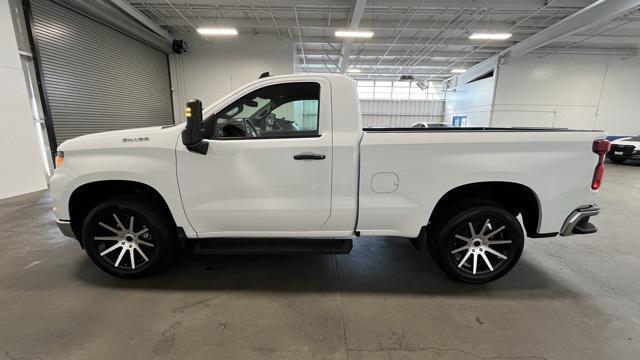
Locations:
{"points": [[282, 161]]}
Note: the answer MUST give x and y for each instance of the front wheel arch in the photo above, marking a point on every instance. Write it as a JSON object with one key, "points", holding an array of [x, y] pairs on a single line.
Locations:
{"points": [[87, 196]]}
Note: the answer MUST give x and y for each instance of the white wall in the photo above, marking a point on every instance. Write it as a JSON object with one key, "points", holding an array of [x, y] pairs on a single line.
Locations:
{"points": [[22, 169], [211, 69], [574, 91], [473, 100], [619, 113], [400, 113]]}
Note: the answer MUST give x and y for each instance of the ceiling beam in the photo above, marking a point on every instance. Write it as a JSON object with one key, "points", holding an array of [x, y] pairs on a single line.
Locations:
{"points": [[593, 15], [523, 6], [375, 41], [599, 12], [481, 54], [432, 75], [368, 54], [341, 22], [142, 18], [387, 60], [389, 64], [466, 4], [354, 23]]}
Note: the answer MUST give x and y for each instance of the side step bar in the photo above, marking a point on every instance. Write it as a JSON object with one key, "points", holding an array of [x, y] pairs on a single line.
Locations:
{"points": [[272, 246]]}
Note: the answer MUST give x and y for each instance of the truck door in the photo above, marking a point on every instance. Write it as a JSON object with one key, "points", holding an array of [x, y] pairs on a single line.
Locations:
{"points": [[268, 168]]}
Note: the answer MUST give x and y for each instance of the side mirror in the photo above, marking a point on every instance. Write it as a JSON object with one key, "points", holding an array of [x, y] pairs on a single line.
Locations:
{"points": [[192, 133]]}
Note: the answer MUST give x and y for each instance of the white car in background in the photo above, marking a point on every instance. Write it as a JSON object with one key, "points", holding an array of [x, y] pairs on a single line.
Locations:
{"points": [[430, 125], [625, 149]]}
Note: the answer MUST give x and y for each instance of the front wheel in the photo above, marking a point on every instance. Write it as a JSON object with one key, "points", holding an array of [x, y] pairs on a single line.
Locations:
{"points": [[478, 244], [125, 237]]}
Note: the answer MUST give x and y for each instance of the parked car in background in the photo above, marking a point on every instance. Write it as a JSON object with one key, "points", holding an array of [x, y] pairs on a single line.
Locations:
{"points": [[625, 149], [430, 125]]}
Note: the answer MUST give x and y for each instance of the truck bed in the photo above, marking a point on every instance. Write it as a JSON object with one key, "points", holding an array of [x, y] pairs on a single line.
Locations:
{"points": [[475, 129], [405, 171]]}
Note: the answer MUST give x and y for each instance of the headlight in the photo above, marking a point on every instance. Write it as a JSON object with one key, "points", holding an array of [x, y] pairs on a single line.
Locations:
{"points": [[59, 158]]}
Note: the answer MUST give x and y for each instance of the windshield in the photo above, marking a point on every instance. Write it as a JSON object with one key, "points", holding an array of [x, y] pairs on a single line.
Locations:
{"points": [[635, 138]]}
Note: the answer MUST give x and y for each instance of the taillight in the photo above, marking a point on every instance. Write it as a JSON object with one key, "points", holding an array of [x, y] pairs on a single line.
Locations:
{"points": [[597, 177], [600, 147]]}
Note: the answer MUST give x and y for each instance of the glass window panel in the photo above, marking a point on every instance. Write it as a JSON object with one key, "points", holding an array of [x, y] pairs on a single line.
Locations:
{"points": [[282, 110], [419, 96], [365, 94]]}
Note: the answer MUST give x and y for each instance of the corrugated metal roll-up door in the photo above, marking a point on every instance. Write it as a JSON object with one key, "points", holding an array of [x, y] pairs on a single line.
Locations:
{"points": [[96, 78]]}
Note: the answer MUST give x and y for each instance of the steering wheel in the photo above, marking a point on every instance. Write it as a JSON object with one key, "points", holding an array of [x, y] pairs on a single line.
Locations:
{"points": [[251, 130]]}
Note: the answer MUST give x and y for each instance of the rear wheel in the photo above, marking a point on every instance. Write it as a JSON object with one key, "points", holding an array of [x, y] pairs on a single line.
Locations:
{"points": [[127, 238], [477, 244]]}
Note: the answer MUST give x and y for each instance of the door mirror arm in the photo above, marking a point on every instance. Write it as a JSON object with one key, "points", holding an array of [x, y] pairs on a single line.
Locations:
{"points": [[192, 133]]}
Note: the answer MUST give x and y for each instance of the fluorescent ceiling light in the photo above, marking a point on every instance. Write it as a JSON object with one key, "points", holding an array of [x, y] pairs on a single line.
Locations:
{"points": [[458, 71], [354, 33], [490, 36], [218, 31], [352, 70]]}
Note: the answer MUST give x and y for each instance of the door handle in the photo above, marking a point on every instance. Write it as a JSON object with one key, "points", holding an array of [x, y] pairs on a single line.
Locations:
{"points": [[309, 156]]}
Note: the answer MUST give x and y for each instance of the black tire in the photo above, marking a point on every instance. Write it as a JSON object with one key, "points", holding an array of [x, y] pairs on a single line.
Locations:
{"points": [[617, 160], [494, 257], [152, 250]]}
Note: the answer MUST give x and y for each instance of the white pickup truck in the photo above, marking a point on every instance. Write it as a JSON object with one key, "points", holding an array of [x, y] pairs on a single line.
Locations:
{"points": [[284, 163]]}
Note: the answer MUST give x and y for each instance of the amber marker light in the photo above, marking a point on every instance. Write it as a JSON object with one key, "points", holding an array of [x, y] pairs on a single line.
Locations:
{"points": [[59, 158]]}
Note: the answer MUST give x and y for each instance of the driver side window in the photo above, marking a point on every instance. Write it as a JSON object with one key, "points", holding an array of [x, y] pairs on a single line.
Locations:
{"points": [[282, 110]]}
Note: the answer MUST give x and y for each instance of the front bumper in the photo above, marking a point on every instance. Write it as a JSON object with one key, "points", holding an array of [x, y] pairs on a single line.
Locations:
{"points": [[65, 228], [634, 156], [624, 152], [578, 221]]}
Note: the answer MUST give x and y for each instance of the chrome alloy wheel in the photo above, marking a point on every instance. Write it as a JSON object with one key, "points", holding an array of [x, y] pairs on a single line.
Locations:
{"points": [[133, 247], [480, 252]]}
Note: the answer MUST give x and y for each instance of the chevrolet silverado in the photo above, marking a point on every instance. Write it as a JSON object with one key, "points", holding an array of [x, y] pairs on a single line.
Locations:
{"points": [[284, 163]]}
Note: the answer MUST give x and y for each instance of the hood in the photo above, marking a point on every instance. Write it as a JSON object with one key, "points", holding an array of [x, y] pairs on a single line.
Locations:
{"points": [[627, 141], [130, 138]]}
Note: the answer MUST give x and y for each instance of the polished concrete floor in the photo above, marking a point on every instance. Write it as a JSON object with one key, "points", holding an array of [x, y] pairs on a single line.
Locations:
{"points": [[568, 298]]}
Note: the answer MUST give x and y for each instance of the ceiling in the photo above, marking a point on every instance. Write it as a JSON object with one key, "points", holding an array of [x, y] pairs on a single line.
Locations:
{"points": [[424, 38]]}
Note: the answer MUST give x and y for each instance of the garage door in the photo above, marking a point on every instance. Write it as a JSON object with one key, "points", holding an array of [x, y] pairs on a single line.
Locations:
{"points": [[97, 78]]}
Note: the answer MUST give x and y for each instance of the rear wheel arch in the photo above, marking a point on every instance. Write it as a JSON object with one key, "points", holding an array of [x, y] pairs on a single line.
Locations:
{"points": [[513, 197], [87, 196]]}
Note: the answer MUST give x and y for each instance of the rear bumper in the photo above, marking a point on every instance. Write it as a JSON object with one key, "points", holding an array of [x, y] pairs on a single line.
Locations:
{"points": [[65, 228], [578, 221]]}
